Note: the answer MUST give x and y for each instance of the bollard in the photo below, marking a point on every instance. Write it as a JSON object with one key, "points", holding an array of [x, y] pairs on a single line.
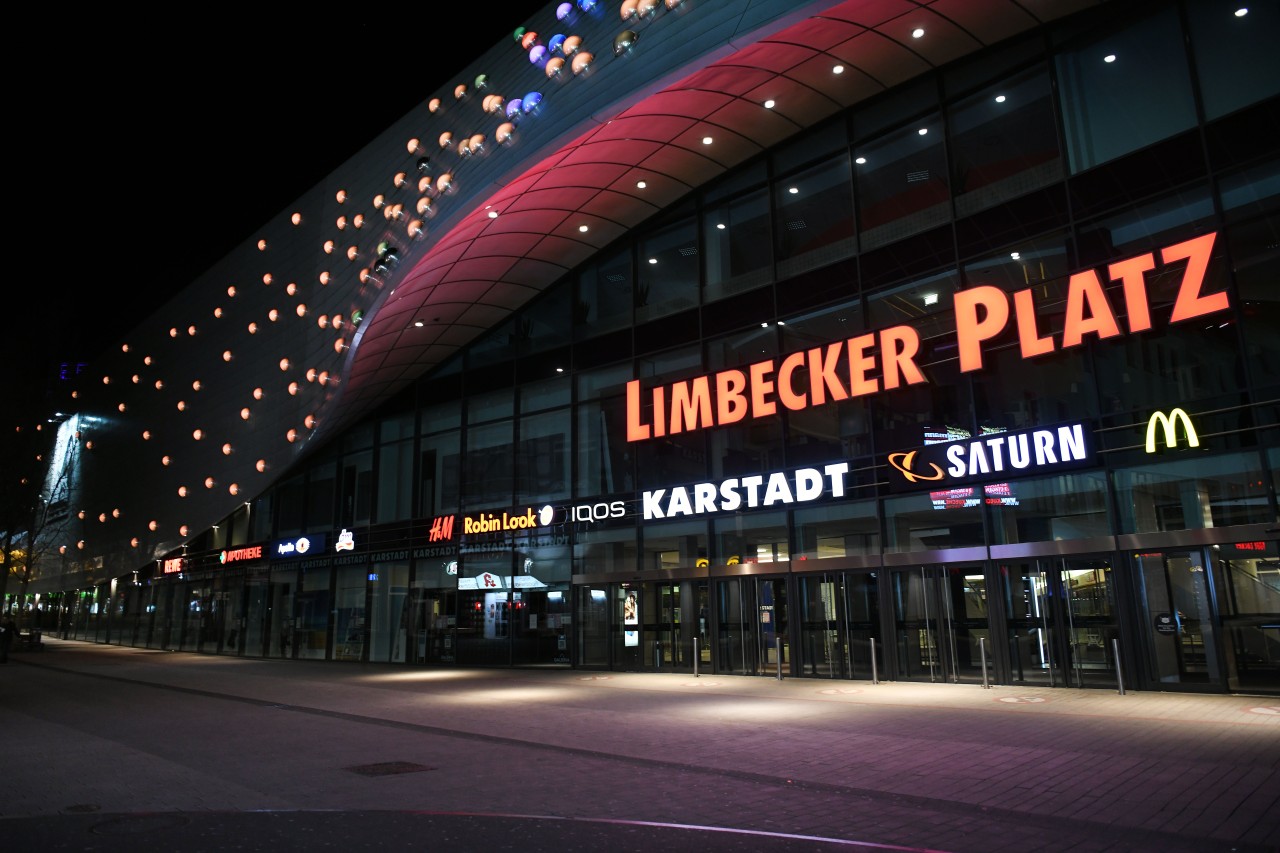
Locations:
{"points": [[1115, 650], [777, 643], [982, 650], [875, 677], [695, 657]]}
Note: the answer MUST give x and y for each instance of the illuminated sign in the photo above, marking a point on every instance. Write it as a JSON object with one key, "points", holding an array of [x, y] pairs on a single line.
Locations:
{"points": [[886, 359], [346, 541], [777, 489], [240, 555], [441, 528], [1170, 423], [1250, 546], [523, 519], [299, 547], [173, 564], [955, 464]]}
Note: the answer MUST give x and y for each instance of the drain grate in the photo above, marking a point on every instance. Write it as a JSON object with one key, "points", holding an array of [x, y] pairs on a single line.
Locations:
{"points": [[389, 768]]}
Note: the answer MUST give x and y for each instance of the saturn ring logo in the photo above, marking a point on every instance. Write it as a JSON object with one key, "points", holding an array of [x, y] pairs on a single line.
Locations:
{"points": [[903, 462]]}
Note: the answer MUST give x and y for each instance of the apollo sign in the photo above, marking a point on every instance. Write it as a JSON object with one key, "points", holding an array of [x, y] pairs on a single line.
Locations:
{"points": [[880, 361]]}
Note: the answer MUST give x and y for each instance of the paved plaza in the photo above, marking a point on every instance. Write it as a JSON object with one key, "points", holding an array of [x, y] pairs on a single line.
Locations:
{"points": [[111, 748]]}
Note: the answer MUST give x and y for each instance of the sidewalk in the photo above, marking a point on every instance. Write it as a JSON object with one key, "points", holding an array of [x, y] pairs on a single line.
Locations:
{"points": [[106, 733]]}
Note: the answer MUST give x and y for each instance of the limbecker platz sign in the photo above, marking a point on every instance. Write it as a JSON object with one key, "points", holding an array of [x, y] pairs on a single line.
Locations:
{"points": [[953, 464], [886, 359]]}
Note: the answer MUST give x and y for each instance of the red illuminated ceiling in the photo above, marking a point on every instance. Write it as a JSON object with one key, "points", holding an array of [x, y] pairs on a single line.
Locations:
{"points": [[475, 276]]}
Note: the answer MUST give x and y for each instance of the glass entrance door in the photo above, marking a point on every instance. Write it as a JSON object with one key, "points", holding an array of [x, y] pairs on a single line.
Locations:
{"points": [[1061, 619], [751, 626], [840, 615], [1181, 639], [675, 615], [940, 615]]}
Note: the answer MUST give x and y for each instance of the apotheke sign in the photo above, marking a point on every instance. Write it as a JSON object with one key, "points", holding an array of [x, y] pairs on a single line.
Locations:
{"points": [[884, 360]]}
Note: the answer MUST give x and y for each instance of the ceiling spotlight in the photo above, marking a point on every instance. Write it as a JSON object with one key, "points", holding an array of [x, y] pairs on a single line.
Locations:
{"points": [[769, 104], [641, 185], [923, 131], [1241, 12], [1000, 99], [1110, 57], [918, 32], [861, 161], [582, 228], [839, 69], [706, 140]]}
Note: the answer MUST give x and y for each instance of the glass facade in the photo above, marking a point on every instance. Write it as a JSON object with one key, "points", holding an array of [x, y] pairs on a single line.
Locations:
{"points": [[502, 512]]}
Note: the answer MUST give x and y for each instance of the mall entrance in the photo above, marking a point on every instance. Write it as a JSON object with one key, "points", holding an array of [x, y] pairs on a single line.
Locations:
{"points": [[751, 626], [1061, 620], [940, 618], [839, 615]]}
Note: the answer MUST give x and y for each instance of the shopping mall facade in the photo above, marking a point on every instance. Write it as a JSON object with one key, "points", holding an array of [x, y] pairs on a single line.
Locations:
{"points": [[933, 340]]}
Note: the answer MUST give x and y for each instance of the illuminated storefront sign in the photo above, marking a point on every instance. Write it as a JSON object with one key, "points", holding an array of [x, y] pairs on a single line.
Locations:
{"points": [[301, 546], [506, 521], [776, 489], [886, 359], [346, 541], [1169, 423], [240, 555], [172, 565], [441, 528], [954, 464]]}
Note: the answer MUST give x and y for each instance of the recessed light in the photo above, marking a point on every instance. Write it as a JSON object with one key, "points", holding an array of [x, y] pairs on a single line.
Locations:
{"points": [[918, 32], [794, 190], [582, 228], [1000, 99], [861, 161], [768, 105], [641, 185], [1241, 12], [1110, 57], [418, 324], [706, 140], [839, 69], [493, 214], [653, 260], [922, 131], [1015, 255], [720, 226], [931, 299], [764, 325]]}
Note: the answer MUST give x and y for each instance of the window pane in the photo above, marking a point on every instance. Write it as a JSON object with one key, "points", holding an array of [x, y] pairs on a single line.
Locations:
{"points": [[1189, 494], [604, 296], [395, 481], [1236, 55], [668, 275], [1004, 142], [815, 217], [604, 457], [737, 243], [1070, 506], [1125, 91], [839, 530], [544, 457], [490, 466], [439, 473], [674, 545], [902, 183]]}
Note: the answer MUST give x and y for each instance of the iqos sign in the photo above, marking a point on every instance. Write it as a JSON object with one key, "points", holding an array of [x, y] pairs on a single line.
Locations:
{"points": [[596, 512]]}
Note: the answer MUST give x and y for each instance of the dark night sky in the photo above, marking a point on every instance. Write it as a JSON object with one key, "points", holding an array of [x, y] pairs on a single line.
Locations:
{"points": [[127, 116]]}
